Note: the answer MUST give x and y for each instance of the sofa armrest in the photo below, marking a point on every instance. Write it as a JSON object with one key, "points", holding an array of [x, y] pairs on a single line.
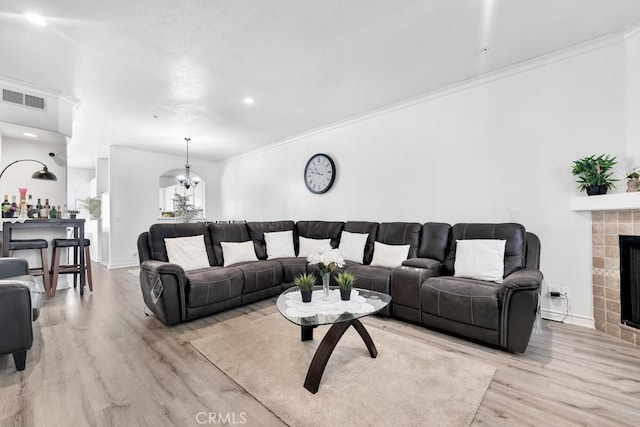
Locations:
{"points": [[522, 279], [518, 297], [163, 286], [10, 267], [427, 263]]}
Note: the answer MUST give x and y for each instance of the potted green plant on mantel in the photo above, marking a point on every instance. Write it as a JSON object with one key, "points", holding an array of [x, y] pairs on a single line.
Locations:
{"points": [[594, 174], [305, 283]]}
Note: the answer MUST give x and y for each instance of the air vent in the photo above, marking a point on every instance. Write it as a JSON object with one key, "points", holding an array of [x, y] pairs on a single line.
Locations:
{"points": [[11, 96], [23, 99], [34, 101]]}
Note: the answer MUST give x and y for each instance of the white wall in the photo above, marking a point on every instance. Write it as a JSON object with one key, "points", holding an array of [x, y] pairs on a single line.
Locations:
{"points": [[79, 186], [495, 150], [133, 186]]}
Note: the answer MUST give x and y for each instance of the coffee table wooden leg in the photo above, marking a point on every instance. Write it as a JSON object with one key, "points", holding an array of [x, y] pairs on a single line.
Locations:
{"points": [[320, 359], [373, 351]]}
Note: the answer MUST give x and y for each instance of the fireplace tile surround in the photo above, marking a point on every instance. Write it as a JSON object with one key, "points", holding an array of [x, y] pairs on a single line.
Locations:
{"points": [[606, 226]]}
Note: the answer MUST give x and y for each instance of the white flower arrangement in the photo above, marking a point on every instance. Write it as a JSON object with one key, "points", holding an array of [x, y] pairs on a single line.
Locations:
{"points": [[327, 259]]}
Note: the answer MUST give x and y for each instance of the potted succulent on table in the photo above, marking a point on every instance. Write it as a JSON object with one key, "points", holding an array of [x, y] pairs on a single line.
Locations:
{"points": [[93, 205], [345, 281], [305, 283], [594, 174]]}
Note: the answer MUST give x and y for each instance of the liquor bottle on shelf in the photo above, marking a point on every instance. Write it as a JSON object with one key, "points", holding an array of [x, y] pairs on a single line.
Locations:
{"points": [[14, 207], [6, 207], [30, 206], [44, 212], [53, 213], [38, 208]]}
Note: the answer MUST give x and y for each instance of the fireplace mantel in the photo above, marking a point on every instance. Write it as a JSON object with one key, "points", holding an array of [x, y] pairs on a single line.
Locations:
{"points": [[607, 202]]}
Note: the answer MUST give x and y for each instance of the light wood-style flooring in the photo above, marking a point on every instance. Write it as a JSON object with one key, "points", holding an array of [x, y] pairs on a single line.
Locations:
{"points": [[99, 360]]}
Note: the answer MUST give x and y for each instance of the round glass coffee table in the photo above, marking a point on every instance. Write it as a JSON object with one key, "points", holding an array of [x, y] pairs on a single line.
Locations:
{"points": [[335, 312]]}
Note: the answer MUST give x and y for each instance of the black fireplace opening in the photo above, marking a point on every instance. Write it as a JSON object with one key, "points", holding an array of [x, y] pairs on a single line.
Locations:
{"points": [[630, 281]]}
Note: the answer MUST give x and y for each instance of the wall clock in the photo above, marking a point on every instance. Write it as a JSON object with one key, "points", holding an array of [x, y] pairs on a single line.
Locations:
{"points": [[319, 173]]}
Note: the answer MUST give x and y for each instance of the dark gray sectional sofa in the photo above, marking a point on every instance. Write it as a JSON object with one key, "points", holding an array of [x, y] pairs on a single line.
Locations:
{"points": [[424, 289]]}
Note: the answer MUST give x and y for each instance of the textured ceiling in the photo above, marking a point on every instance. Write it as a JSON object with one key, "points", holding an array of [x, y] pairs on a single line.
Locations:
{"points": [[307, 64]]}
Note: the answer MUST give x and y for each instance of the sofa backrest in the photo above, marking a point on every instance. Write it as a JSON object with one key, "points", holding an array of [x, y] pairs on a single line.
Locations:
{"points": [[364, 227], [400, 233], [257, 230], [227, 232], [320, 230], [514, 234], [158, 232], [434, 241]]}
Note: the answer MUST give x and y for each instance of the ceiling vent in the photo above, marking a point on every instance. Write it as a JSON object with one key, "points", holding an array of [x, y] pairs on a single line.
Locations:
{"points": [[23, 99]]}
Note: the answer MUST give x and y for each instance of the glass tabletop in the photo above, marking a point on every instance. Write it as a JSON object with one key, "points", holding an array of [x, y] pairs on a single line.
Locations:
{"points": [[319, 312]]}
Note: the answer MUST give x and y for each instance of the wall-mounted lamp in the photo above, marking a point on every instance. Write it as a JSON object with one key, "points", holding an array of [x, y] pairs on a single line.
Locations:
{"points": [[41, 174]]}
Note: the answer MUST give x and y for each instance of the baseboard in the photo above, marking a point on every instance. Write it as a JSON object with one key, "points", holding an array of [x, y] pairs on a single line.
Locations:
{"points": [[123, 265], [572, 319]]}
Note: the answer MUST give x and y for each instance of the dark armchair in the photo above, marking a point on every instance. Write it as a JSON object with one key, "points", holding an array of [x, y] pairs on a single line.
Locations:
{"points": [[20, 300]]}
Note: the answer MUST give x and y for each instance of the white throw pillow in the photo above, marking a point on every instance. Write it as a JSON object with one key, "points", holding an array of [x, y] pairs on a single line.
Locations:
{"points": [[235, 252], [189, 253], [352, 246], [481, 259], [279, 244], [311, 246], [389, 255]]}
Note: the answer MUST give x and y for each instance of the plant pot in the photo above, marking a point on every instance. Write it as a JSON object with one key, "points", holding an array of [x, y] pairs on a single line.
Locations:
{"points": [[633, 185], [345, 294], [306, 296], [596, 190]]}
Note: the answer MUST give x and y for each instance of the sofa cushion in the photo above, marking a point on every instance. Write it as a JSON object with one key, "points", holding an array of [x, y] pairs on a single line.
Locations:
{"points": [[321, 230], [260, 275], [235, 252], [468, 301], [352, 246], [389, 255], [372, 278], [515, 248], [227, 232], [400, 233], [188, 252], [158, 232], [213, 284], [257, 230], [481, 259], [434, 240], [291, 267], [311, 246], [279, 244], [364, 227]]}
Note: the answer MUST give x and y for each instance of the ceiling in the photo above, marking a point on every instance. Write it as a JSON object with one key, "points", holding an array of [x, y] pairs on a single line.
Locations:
{"points": [[150, 72]]}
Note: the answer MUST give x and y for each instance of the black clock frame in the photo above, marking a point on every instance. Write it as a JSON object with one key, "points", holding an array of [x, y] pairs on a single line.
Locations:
{"points": [[333, 175]]}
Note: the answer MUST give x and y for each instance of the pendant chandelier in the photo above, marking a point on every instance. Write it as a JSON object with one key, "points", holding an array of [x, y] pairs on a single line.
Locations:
{"points": [[185, 180]]}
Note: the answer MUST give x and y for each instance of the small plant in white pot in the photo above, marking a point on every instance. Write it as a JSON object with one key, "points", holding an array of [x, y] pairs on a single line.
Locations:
{"points": [[93, 205], [345, 281], [305, 283]]}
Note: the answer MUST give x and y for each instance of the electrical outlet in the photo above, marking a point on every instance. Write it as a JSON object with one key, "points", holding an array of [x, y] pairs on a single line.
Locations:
{"points": [[554, 290], [565, 291]]}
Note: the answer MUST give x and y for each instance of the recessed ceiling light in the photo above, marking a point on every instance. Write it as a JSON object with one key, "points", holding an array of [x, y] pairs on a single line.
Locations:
{"points": [[248, 100], [35, 19], [30, 135]]}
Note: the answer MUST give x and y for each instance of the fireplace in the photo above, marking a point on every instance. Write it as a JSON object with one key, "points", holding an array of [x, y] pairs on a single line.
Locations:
{"points": [[630, 281]]}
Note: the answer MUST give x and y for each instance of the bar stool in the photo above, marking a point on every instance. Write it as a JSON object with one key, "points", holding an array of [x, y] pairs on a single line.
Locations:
{"points": [[31, 244], [75, 268]]}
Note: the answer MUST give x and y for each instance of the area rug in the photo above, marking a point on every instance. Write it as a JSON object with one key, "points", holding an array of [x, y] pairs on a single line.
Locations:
{"points": [[409, 383]]}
